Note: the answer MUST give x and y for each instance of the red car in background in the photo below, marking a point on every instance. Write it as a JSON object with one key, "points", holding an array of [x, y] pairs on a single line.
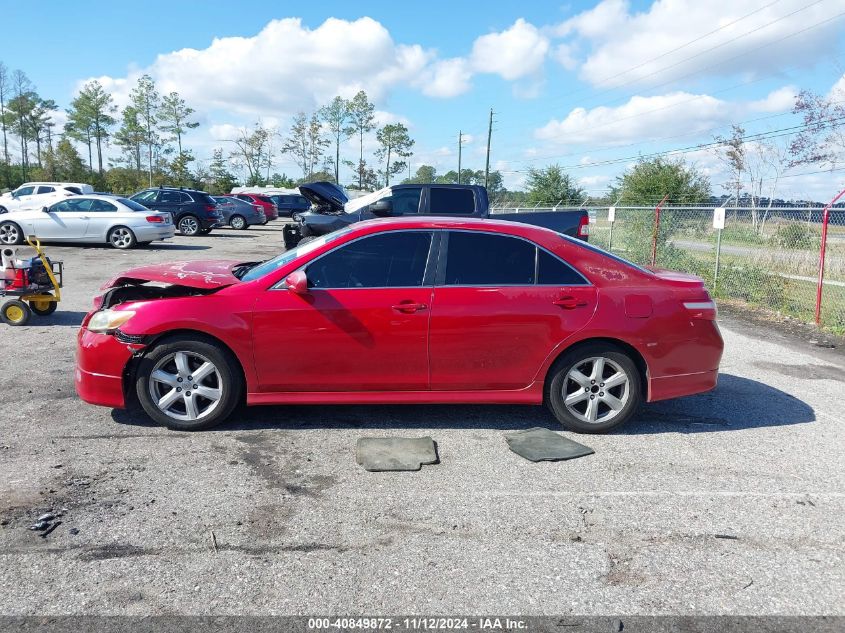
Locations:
{"points": [[270, 210], [403, 310]]}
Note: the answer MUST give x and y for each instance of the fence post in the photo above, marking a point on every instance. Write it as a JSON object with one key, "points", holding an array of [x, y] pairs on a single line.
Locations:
{"points": [[718, 224], [822, 249], [656, 229], [611, 217]]}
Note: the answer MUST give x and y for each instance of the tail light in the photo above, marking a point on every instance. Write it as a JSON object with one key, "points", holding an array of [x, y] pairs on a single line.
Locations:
{"points": [[155, 219], [211, 208], [704, 309], [258, 208], [584, 227]]}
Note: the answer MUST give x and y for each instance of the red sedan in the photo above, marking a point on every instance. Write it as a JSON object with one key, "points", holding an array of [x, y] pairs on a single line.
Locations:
{"points": [[271, 211], [403, 311]]}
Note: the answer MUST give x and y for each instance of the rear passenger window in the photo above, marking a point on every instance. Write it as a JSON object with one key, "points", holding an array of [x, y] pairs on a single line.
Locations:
{"points": [[486, 259], [448, 201], [43, 189], [102, 205], [392, 260], [553, 272]]}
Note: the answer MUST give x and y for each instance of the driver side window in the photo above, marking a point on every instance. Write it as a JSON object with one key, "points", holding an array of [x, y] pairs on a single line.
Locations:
{"points": [[391, 260]]}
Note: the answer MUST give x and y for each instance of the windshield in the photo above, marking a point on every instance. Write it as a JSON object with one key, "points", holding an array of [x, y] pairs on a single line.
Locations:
{"points": [[359, 203], [277, 262]]}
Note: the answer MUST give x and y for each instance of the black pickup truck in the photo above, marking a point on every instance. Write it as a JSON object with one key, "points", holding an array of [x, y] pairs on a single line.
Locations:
{"points": [[332, 210]]}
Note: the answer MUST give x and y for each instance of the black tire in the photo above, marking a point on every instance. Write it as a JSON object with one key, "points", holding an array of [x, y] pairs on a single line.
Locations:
{"points": [[10, 234], [189, 225], [50, 307], [198, 350], [238, 222], [596, 396], [122, 238], [15, 312]]}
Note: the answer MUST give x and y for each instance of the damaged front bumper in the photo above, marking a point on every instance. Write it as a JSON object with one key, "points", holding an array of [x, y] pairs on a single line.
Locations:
{"points": [[101, 364]]}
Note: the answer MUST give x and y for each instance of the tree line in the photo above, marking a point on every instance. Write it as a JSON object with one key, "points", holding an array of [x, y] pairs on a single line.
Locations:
{"points": [[149, 134]]}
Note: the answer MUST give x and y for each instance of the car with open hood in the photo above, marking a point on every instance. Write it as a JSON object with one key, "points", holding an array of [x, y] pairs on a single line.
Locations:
{"points": [[407, 310], [332, 209]]}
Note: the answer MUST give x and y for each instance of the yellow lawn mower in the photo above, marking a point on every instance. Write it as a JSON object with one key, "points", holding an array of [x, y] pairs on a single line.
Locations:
{"points": [[35, 284]]}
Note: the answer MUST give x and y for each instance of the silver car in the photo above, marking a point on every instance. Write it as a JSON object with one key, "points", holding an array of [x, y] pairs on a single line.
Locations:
{"points": [[86, 219]]}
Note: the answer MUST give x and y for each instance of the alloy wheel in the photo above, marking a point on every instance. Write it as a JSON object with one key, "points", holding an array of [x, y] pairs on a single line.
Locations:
{"points": [[596, 390], [185, 386], [121, 238], [237, 222], [189, 226], [9, 234]]}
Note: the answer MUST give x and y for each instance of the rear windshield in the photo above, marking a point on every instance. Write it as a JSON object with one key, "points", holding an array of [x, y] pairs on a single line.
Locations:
{"points": [[264, 199], [601, 251], [132, 204]]}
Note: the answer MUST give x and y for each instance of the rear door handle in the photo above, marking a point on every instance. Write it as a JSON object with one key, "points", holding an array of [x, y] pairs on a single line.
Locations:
{"points": [[409, 307], [570, 303]]}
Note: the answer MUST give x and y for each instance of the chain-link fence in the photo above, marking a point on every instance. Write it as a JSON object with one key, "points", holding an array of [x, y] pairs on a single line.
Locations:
{"points": [[767, 257]]}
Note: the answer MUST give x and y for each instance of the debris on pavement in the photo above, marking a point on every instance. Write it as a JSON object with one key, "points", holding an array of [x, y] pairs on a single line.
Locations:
{"points": [[539, 444], [379, 454]]}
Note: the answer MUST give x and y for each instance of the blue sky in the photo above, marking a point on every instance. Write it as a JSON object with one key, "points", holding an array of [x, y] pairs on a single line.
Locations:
{"points": [[578, 83]]}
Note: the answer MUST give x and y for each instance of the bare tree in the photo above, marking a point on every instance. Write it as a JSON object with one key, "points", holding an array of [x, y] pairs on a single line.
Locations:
{"points": [[252, 152]]}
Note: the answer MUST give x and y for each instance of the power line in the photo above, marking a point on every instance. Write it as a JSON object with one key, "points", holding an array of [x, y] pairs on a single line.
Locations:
{"points": [[694, 148], [698, 97]]}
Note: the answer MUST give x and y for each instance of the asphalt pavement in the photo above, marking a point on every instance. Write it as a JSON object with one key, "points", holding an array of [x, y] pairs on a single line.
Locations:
{"points": [[730, 502]]}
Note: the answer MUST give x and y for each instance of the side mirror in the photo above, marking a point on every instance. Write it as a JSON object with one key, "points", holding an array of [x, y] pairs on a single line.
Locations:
{"points": [[297, 282], [45, 210], [383, 208]]}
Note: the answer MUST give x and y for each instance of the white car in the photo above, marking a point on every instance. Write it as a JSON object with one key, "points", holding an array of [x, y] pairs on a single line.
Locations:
{"points": [[96, 218], [34, 195]]}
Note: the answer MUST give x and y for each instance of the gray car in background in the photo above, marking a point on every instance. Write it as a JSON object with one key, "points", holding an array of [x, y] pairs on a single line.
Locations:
{"points": [[238, 213]]}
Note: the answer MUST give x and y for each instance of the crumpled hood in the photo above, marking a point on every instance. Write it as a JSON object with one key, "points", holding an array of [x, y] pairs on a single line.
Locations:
{"points": [[197, 274]]}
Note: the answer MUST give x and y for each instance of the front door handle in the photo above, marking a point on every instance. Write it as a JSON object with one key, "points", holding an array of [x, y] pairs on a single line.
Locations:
{"points": [[570, 303], [409, 307]]}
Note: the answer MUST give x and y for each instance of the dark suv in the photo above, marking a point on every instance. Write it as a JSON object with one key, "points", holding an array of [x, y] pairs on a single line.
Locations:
{"points": [[288, 204], [193, 212]]}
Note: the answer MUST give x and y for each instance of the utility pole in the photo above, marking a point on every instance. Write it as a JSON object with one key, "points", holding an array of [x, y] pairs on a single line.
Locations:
{"points": [[460, 146], [487, 165]]}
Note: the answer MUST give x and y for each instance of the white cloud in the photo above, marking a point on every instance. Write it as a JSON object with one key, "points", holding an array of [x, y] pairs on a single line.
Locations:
{"points": [[837, 91], [621, 38], [565, 56], [779, 100], [643, 119], [446, 78], [382, 117], [640, 119], [516, 52], [284, 68]]}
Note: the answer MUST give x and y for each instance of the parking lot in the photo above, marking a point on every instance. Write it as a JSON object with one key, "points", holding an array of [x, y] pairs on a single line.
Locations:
{"points": [[726, 503]]}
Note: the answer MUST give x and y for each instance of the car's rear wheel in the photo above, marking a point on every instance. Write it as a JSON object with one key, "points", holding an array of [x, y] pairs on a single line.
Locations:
{"points": [[122, 238], [594, 388], [188, 384], [189, 226], [238, 222], [10, 234]]}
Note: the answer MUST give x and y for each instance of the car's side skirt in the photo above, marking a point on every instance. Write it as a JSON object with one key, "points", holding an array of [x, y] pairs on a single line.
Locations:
{"points": [[533, 394]]}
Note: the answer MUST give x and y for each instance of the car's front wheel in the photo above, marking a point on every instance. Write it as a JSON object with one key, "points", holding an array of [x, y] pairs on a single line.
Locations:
{"points": [[189, 226], [10, 234], [188, 384], [122, 238], [594, 388]]}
